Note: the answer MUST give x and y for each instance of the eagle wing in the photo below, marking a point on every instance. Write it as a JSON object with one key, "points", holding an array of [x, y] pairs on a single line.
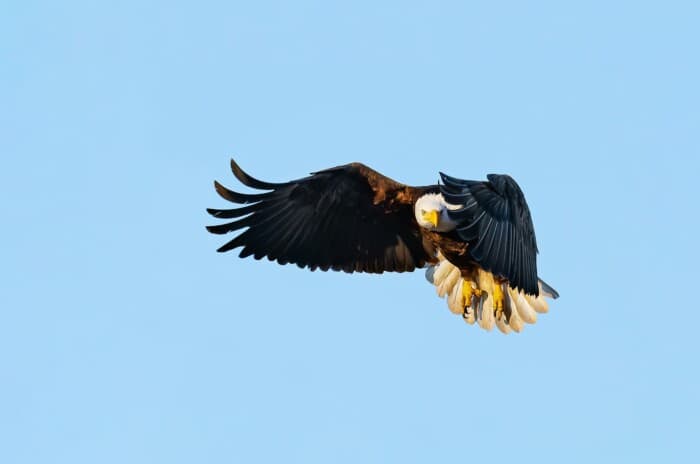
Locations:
{"points": [[495, 220], [347, 218]]}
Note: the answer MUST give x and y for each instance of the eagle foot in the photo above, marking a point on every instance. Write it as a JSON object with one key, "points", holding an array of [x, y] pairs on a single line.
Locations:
{"points": [[469, 291], [498, 313], [498, 300]]}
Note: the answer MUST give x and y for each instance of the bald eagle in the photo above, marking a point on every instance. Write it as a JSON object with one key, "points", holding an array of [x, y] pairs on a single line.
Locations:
{"points": [[475, 238]]}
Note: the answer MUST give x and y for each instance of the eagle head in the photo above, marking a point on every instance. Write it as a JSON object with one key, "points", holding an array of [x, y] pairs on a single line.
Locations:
{"points": [[431, 213]]}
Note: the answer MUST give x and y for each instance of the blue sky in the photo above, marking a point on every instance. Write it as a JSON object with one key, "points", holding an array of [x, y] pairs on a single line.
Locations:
{"points": [[124, 337]]}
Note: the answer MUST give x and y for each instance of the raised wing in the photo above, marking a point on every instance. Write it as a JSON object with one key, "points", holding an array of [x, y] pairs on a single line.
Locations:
{"points": [[495, 220], [347, 218]]}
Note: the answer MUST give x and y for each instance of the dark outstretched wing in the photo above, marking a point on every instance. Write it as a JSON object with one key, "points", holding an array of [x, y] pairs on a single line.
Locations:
{"points": [[348, 218], [495, 220]]}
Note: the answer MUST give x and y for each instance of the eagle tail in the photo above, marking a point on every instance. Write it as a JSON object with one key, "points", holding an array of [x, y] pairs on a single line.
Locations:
{"points": [[510, 315]]}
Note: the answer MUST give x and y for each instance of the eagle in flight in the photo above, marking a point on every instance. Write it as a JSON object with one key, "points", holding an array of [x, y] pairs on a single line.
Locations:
{"points": [[476, 238]]}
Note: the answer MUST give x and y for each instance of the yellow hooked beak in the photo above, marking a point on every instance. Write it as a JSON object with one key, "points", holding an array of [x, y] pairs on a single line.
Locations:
{"points": [[431, 217]]}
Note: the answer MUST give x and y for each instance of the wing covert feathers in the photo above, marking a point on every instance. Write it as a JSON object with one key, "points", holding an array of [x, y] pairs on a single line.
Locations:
{"points": [[348, 218], [495, 221]]}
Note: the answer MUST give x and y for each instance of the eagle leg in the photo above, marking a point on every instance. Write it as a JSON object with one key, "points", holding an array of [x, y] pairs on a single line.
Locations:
{"points": [[498, 300], [469, 289]]}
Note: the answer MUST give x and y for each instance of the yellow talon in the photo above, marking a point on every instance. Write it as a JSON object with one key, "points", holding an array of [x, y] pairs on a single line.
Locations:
{"points": [[467, 292], [498, 300]]}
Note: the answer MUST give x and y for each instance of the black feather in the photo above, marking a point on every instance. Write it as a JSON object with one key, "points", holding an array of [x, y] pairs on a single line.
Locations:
{"points": [[495, 221], [329, 220]]}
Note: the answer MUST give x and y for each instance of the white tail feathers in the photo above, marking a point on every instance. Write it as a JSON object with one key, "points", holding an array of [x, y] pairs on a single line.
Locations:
{"points": [[502, 324], [450, 282], [484, 313], [455, 299], [478, 305], [525, 311], [539, 304], [442, 271], [514, 320]]}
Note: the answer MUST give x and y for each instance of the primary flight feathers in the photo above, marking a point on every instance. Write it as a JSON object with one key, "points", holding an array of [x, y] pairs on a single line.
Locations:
{"points": [[351, 218]]}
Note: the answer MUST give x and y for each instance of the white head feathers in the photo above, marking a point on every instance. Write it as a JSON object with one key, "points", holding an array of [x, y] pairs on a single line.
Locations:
{"points": [[431, 213]]}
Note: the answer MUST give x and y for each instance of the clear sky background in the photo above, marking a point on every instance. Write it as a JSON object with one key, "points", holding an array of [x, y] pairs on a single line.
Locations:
{"points": [[125, 338]]}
